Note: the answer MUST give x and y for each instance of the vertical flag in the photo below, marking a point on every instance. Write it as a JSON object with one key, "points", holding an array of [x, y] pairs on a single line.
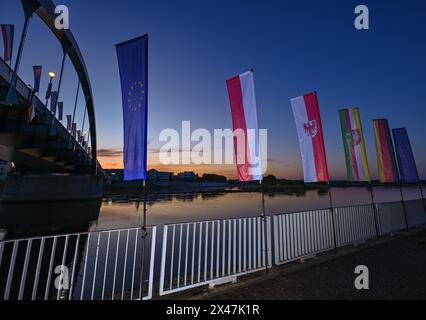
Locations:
{"points": [[353, 140], [69, 118], [386, 163], [242, 99], [37, 75], [309, 130], [31, 109], [53, 101], [404, 154], [60, 111], [8, 31], [133, 64]]}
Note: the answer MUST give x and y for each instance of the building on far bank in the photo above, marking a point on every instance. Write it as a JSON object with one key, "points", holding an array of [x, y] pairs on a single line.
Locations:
{"points": [[188, 176], [115, 175], [159, 176]]}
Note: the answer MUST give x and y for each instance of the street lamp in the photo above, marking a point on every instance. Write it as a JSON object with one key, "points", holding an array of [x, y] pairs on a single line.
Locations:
{"points": [[49, 87]]}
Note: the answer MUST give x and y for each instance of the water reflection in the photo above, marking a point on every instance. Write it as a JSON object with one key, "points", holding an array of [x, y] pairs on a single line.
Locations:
{"points": [[32, 219], [19, 220]]}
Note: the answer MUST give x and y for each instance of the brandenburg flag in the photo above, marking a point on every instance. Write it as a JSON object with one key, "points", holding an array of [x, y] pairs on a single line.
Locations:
{"points": [[309, 130], [386, 163], [354, 143]]}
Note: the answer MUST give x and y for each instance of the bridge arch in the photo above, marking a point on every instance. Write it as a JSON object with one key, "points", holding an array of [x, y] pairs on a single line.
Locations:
{"points": [[45, 10]]}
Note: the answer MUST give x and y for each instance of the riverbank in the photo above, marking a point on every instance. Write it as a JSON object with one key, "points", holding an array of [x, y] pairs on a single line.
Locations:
{"points": [[135, 188]]}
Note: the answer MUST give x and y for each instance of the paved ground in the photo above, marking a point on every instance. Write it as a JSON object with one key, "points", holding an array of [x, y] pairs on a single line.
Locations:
{"points": [[397, 269]]}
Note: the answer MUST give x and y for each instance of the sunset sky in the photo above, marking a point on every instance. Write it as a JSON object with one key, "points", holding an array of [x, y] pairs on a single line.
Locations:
{"points": [[294, 47]]}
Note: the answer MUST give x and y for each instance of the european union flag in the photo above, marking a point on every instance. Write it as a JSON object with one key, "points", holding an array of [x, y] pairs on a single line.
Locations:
{"points": [[407, 164], [133, 64]]}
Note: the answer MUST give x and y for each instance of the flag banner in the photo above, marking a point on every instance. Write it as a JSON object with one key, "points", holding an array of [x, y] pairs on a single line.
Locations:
{"points": [[133, 65], [404, 154], [242, 99], [8, 31], [53, 101], [31, 109], [309, 130], [354, 143], [386, 163], [60, 111], [69, 118], [37, 76]]}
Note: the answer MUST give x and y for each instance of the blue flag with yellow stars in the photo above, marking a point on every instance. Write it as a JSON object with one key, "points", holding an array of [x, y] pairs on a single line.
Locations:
{"points": [[133, 64]]}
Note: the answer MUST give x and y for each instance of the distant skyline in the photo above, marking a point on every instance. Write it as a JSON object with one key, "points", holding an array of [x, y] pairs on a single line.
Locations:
{"points": [[294, 48]]}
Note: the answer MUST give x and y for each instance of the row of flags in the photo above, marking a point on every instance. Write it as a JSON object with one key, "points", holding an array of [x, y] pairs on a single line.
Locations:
{"points": [[400, 168], [394, 164], [132, 58]]}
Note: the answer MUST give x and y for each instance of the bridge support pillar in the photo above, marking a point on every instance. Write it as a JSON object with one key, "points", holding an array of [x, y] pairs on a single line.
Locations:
{"points": [[51, 187]]}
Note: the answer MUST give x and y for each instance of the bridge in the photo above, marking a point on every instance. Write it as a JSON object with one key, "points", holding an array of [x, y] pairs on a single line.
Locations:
{"points": [[44, 152]]}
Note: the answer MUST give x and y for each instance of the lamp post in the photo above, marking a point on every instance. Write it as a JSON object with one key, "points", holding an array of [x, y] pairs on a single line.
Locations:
{"points": [[49, 87]]}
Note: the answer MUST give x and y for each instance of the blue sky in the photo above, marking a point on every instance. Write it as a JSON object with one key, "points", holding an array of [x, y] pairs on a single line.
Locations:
{"points": [[294, 47]]}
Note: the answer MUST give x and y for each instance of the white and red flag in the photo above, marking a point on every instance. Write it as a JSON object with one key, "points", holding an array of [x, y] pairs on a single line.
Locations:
{"points": [[311, 140], [242, 99]]}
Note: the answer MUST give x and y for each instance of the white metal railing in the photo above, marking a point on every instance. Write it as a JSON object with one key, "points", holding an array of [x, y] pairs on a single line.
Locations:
{"points": [[91, 266], [390, 217], [301, 234], [213, 252], [355, 224], [415, 212]]}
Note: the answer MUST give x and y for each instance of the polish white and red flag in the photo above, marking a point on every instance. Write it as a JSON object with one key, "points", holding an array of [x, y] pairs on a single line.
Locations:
{"points": [[242, 99], [309, 130]]}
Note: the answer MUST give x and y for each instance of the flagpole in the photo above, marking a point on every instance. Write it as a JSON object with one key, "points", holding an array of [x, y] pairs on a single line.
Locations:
{"points": [[332, 216], [421, 193], [143, 235], [403, 204], [265, 229], [376, 223]]}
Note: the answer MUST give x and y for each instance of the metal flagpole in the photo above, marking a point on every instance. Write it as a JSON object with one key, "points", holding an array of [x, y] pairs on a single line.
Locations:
{"points": [[143, 235], [332, 216], [376, 223], [421, 193], [265, 229], [403, 203]]}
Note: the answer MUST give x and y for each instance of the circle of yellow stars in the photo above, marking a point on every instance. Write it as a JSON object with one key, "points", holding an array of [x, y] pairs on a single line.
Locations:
{"points": [[134, 99]]}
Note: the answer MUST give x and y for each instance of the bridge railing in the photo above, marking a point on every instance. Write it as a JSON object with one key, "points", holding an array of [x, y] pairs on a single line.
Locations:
{"points": [[94, 265], [23, 90]]}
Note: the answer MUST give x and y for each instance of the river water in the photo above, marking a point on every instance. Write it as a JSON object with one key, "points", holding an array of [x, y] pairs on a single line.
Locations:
{"points": [[37, 219]]}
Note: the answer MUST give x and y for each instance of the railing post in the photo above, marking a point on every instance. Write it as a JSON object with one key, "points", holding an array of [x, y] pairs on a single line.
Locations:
{"points": [[276, 236], [375, 211], [268, 240], [163, 259], [151, 262], [332, 217]]}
